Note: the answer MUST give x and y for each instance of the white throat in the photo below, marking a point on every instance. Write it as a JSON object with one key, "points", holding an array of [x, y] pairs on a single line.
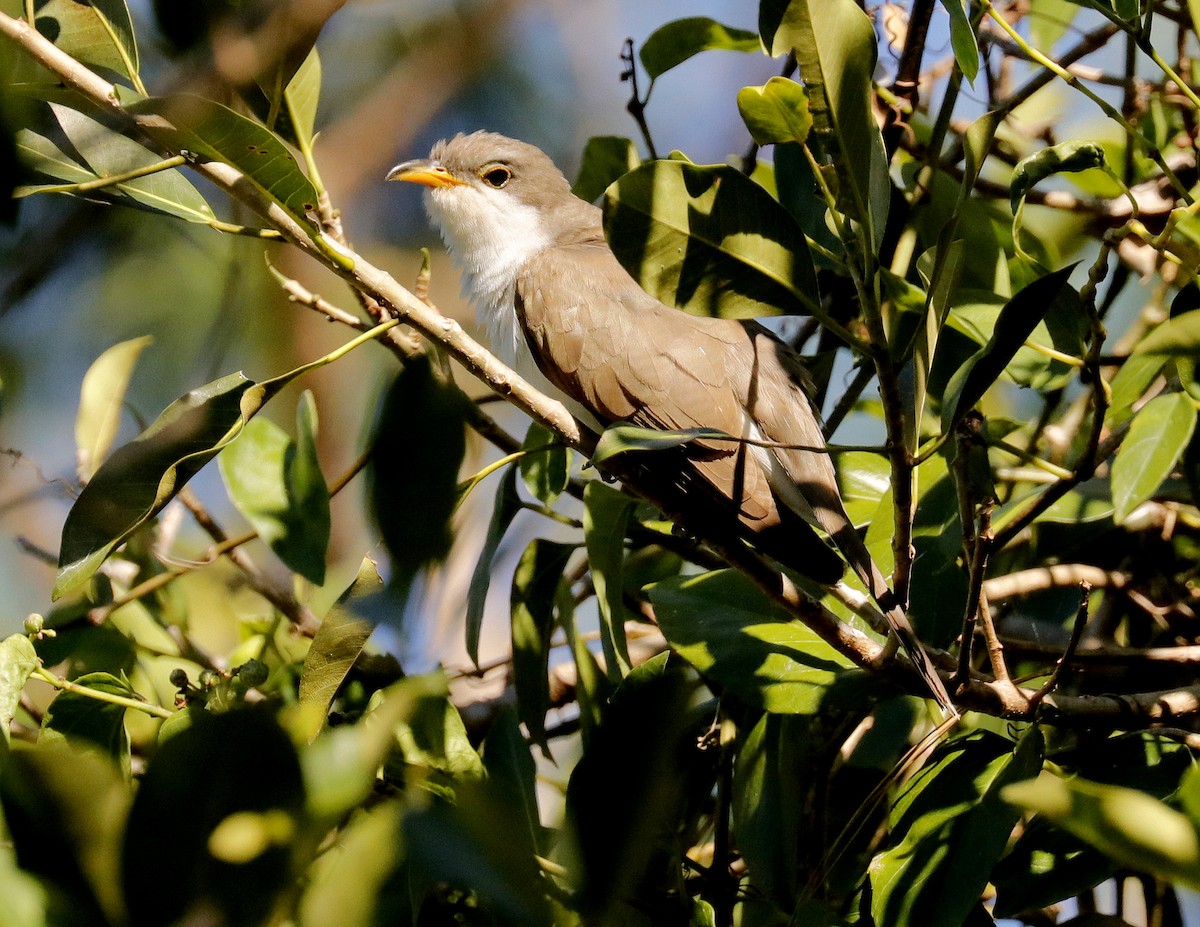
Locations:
{"points": [[490, 235]]}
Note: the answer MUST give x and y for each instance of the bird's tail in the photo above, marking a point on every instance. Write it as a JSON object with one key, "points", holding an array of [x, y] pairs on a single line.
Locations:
{"points": [[856, 553]]}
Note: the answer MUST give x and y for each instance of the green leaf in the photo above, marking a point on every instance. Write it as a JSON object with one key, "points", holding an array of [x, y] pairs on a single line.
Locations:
{"points": [[202, 127], [625, 439], [504, 510], [776, 112], [948, 828], [301, 97], [433, 740], [962, 38], [417, 449], [534, 587], [681, 39], [733, 634], [98, 32], [1178, 336], [863, 478], [546, 470], [236, 763], [105, 153], [606, 513], [338, 642], [834, 43], [18, 660], [139, 478], [77, 718], [276, 484], [1045, 865], [64, 812], [1134, 829], [513, 774], [1016, 321], [1158, 436], [606, 158], [709, 240], [101, 398], [1065, 158], [353, 885]]}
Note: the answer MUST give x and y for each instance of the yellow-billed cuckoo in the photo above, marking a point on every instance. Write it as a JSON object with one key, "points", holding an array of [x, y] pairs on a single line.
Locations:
{"points": [[562, 312]]}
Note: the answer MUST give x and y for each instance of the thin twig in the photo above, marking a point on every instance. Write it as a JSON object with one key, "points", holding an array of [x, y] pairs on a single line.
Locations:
{"points": [[1081, 617]]}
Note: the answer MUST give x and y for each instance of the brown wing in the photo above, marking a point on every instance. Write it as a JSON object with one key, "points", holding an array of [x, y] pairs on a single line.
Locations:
{"points": [[627, 357]]}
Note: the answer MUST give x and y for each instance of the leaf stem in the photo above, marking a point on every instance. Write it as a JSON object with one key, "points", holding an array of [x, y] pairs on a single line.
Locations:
{"points": [[65, 685]]}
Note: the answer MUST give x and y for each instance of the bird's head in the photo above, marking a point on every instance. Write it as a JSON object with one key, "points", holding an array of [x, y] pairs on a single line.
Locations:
{"points": [[491, 197]]}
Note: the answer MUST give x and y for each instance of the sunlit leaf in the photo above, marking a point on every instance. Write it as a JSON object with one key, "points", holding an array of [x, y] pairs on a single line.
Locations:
{"points": [[101, 398], [834, 43], [948, 826], [1157, 438], [681, 39], [17, 660], [606, 513], [776, 112], [302, 95], [962, 38], [709, 240], [338, 641], [1134, 829], [106, 153], [626, 439], [546, 470], [98, 32], [733, 634], [206, 128]]}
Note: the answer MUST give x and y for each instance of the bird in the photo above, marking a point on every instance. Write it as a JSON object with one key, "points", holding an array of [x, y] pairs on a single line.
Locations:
{"points": [[559, 309]]}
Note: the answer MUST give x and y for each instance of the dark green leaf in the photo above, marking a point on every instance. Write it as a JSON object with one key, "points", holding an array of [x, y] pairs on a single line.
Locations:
{"points": [[1046, 865], [417, 449], [679, 40], [733, 634], [709, 240], [506, 507], [1017, 320], [76, 718], [606, 514], [98, 32], [606, 158], [64, 811], [1157, 438], [338, 642], [276, 483], [546, 470], [433, 739], [513, 774], [835, 49], [962, 38], [470, 845], [139, 478], [624, 439], [240, 762], [200, 126], [627, 796], [535, 585], [775, 113], [17, 660], [948, 828], [1134, 829], [1065, 158]]}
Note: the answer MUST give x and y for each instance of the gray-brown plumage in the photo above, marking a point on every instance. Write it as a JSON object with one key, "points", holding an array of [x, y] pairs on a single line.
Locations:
{"points": [[562, 311]]}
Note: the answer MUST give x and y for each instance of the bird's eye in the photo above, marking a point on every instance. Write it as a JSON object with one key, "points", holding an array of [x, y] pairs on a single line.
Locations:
{"points": [[497, 176]]}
